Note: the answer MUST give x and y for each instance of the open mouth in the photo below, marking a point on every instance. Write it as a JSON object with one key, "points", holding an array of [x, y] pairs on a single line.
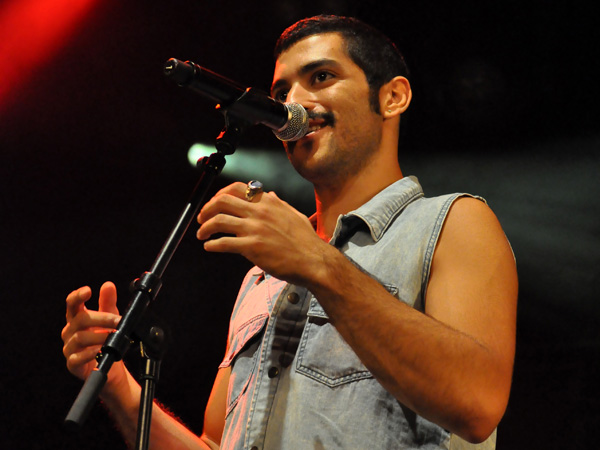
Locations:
{"points": [[315, 126], [317, 121]]}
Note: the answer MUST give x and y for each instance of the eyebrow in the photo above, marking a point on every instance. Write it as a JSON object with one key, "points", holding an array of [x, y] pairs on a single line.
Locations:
{"points": [[307, 68]]}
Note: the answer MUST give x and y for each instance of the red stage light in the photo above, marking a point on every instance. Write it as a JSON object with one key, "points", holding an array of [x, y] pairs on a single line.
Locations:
{"points": [[31, 32]]}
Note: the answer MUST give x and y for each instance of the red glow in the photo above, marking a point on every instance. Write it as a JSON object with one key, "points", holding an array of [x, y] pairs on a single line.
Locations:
{"points": [[31, 32]]}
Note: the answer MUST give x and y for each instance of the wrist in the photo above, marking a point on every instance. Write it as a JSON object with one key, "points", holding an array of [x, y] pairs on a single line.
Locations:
{"points": [[327, 270], [121, 392]]}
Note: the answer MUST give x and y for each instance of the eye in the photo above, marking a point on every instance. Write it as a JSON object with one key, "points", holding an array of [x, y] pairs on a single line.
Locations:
{"points": [[281, 95], [322, 76]]}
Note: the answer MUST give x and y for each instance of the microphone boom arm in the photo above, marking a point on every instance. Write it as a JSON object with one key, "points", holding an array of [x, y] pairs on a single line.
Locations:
{"points": [[251, 106]]}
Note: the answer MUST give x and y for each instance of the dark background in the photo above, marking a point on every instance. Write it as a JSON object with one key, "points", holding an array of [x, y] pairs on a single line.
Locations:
{"points": [[94, 174]]}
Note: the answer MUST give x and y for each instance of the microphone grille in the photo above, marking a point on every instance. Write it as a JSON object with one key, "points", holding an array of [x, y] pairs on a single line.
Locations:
{"points": [[297, 124]]}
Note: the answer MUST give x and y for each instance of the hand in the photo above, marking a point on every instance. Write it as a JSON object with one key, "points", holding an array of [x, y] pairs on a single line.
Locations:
{"points": [[86, 330], [267, 231]]}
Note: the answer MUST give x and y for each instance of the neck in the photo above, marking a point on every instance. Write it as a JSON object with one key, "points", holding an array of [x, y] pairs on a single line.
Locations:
{"points": [[334, 199]]}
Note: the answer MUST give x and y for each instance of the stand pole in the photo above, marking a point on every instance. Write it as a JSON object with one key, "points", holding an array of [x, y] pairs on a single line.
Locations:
{"points": [[131, 328], [151, 358], [145, 290]]}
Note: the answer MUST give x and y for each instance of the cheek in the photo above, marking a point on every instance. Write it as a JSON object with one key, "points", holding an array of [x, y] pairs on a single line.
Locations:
{"points": [[362, 129], [357, 118]]}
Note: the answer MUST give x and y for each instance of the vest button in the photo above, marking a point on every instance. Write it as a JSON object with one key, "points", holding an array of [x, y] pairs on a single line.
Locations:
{"points": [[293, 298], [273, 372]]}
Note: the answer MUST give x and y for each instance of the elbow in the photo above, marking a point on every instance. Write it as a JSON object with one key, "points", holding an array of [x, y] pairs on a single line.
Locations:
{"points": [[480, 425], [484, 407], [477, 434]]}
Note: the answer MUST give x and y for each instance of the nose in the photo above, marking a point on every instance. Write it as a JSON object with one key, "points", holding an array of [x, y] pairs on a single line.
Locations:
{"points": [[298, 94]]}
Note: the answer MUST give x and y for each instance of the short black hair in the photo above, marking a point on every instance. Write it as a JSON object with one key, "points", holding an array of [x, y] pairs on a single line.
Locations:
{"points": [[375, 54]]}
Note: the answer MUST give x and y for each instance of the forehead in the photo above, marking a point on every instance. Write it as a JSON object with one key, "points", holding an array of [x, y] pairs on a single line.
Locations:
{"points": [[326, 46]]}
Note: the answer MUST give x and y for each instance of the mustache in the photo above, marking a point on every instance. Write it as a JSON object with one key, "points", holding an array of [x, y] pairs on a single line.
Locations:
{"points": [[328, 120]]}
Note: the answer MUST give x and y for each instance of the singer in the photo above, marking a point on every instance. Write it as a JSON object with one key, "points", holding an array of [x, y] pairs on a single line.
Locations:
{"points": [[384, 321]]}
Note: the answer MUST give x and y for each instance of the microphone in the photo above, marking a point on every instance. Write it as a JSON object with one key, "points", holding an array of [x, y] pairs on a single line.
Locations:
{"points": [[288, 121]]}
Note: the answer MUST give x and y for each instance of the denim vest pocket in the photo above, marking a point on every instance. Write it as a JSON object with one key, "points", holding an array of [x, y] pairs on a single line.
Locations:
{"points": [[242, 356], [323, 355]]}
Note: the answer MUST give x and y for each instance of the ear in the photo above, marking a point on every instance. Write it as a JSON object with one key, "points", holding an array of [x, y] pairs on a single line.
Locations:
{"points": [[394, 97]]}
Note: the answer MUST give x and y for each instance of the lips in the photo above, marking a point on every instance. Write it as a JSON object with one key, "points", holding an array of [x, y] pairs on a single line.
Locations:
{"points": [[315, 125], [318, 121]]}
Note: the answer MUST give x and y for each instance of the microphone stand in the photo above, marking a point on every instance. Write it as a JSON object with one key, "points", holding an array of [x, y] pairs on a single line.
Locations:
{"points": [[135, 324]]}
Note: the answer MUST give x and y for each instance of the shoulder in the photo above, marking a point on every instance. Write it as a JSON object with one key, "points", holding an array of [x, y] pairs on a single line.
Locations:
{"points": [[473, 250], [471, 219], [453, 214]]}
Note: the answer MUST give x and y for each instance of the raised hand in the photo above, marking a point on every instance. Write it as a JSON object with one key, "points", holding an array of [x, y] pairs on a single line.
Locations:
{"points": [[86, 330], [267, 231]]}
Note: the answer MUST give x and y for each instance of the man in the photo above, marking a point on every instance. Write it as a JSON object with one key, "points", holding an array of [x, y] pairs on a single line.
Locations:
{"points": [[387, 320]]}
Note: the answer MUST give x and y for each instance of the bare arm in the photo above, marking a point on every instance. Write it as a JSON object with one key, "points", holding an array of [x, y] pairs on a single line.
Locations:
{"points": [[452, 365], [214, 416], [84, 334]]}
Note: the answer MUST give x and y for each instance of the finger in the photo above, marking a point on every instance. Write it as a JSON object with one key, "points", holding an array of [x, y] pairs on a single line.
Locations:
{"points": [[255, 198], [107, 301], [223, 204], [83, 339], [76, 301], [92, 319], [237, 189], [228, 245], [79, 359], [221, 223]]}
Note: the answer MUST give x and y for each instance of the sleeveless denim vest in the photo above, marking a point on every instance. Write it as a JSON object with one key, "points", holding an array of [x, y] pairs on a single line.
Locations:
{"points": [[295, 383]]}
